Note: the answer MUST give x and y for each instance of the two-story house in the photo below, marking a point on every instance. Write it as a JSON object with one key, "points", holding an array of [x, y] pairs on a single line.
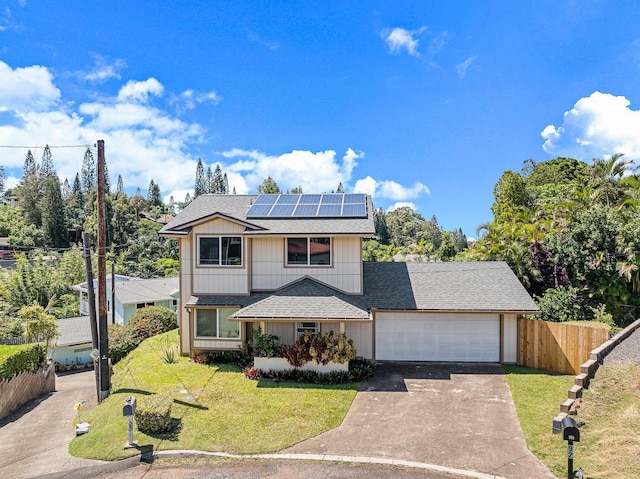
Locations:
{"points": [[291, 263]]}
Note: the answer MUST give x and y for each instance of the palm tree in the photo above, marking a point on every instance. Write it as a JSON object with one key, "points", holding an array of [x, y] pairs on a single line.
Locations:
{"points": [[605, 178]]}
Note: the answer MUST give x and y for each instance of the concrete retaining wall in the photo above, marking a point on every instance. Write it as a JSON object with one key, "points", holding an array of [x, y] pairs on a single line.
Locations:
{"points": [[24, 387]]}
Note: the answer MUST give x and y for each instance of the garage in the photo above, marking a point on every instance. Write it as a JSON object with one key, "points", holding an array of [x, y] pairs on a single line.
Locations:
{"points": [[454, 337]]}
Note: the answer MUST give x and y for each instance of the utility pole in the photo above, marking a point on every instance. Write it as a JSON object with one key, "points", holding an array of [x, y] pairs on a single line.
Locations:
{"points": [[102, 278], [86, 248]]}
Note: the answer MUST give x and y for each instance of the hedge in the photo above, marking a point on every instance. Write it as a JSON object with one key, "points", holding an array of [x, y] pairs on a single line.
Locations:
{"points": [[26, 358]]}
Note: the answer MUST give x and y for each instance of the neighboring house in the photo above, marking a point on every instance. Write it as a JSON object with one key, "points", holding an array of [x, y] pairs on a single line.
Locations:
{"points": [[74, 345], [130, 294], [293, 263]]}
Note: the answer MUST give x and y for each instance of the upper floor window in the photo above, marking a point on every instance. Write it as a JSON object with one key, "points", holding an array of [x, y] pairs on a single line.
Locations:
{"points": [[220, 250], [308, 251]]}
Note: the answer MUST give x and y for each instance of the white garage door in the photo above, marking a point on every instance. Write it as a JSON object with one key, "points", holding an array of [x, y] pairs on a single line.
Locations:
{"points": [[442, 337]]}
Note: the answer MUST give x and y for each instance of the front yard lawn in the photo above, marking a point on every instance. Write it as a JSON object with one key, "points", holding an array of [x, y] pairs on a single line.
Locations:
{"points": [[609, 440], [215, 408]]}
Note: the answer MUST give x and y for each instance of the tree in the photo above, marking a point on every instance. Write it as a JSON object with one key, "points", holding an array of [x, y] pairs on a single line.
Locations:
{"points": [[120, 186], [406, 227], [269, 186], [123, 220], [153, 194], [510, 196], [217, 182], [137, 202], [209, 181], [38, 325], [225, 184], [53, 214], [340, 188], [382, 230], [29, 192], [201, 181], [46, 166], [1, 180], [88, 173], [605, 178]]}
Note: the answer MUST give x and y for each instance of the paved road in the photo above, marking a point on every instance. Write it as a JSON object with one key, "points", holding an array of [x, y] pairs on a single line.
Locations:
{"points": [[34, 440]]}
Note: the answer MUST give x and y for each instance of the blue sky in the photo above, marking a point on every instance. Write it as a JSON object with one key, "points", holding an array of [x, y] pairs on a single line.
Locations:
{"points": [[418, 103]]}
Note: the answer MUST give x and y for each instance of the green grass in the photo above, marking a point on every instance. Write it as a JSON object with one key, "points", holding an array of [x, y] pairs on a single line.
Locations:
{"points": [[609, 440], [537, 396], [229, 413]]}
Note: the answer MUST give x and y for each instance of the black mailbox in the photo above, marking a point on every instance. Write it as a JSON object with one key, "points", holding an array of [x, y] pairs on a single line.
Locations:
{"points": [[570, 430], [129, 407]]}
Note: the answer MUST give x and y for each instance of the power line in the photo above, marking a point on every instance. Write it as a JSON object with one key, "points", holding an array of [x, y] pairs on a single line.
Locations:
{"points": [[50, 146]]}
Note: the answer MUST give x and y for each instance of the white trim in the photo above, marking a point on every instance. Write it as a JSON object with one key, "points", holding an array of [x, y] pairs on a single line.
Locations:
{"points": [[219, 238]]}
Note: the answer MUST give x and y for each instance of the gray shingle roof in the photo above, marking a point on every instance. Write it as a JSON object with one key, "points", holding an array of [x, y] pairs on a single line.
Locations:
{"points": [[146, 290], [479, 287], [74, 331], [236, 207]]}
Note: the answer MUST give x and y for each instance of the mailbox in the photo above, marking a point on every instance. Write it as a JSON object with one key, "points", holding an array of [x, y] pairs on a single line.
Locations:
{"points": [[570, 430], [129, 407]]}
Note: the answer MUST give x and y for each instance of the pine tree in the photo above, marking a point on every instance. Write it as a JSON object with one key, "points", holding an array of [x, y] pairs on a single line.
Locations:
{"points": [[217, 184], [153, 194], [209, 181], [340, 188], [88, 172], [107, 181], [269, 186], [225, 184], [66, 189], [29, 192], [200, 185], [1, 180], [382, 230], [46, 166], [120, 187], [53, 214]]}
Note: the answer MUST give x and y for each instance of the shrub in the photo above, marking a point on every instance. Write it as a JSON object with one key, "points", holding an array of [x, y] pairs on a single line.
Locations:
{"points": [[27, 358], [152, 320], [361, 371], [121, 342], [144, 323], [264, 345], [153, 414], [321, 348], [560, 304]]}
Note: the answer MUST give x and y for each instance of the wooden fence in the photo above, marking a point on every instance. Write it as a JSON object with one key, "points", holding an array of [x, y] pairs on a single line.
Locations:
{"points": [[557, 347], [24, 387]]}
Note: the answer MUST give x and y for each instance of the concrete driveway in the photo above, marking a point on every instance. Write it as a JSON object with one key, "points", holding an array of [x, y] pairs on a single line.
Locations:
{"points": [[34, 440], [460, 416]]}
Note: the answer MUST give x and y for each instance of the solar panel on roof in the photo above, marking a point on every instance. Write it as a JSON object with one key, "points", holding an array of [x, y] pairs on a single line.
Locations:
{"points": [[353, 209], [282, 210], [306, 210], [288, 199], [330, 210], [310, 199], [310, 206], [332, 199], [266, 199]]}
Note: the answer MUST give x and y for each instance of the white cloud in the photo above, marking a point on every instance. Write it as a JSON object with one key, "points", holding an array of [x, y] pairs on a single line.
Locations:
{"points": [[144, 141], [140, 91], [463, 68], [103, 70], [27, 89], [598, 125], [389, 189], [399, 40], [189, 99], [314, 172], [402, 204]]}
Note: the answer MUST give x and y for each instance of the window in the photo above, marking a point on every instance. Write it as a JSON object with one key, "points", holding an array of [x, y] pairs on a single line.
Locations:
{"points": [[144, 305], [302, 328], [220, 250], [213, 323], [308, 251]]}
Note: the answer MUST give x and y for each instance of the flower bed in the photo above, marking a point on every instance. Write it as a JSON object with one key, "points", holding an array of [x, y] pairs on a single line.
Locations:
{"points": [[281, 364]]}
